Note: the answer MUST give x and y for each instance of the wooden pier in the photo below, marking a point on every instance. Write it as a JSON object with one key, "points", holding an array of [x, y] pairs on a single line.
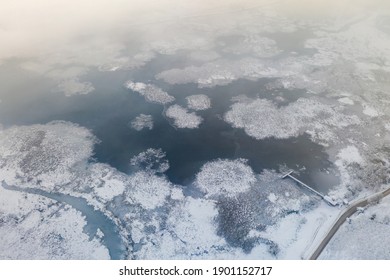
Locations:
{"points": [[326, 198]]}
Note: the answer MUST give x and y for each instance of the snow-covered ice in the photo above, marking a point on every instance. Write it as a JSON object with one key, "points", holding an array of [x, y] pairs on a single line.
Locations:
{"points": [[182, 118], [99, 183], [198, 102], [148, 190], [150, 92], [350, 155], [261, 118], [44, 155], [74, 87], [190, 233], [225, 178]]}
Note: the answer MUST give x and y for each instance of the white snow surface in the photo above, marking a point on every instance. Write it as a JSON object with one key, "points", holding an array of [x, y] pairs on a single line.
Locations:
{"points": [[148, 190], [190, 233], [346, 100], [44, 155], [102, 181], [182, 118], [198, 102], [365, 236], [261, 118], [150, 92], [225, 177], [350, 155], [370, 111]]}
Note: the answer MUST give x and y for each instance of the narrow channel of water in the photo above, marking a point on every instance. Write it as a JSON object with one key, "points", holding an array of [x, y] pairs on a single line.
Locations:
{"points": [[95, 220]]}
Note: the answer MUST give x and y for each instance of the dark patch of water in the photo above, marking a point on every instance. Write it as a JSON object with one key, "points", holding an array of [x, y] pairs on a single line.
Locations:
{"points": [[108, 110]]}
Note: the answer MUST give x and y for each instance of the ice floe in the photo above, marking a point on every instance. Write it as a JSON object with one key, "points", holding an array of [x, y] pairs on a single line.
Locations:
{"points": [[225, 177], [261, 118], [142, 121], [198, 102], [150, 92], [182, 118], [74, 87]]}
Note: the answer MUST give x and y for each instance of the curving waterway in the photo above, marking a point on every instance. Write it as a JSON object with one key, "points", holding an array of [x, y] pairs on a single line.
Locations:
{"points": [[95, 220]]}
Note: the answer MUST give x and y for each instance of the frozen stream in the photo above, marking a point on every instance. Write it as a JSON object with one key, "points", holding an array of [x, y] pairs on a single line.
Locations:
{"points": [[95, 220]]}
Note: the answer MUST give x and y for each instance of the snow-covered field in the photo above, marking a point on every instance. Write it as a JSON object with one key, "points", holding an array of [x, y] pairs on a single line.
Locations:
{"points": [[364, 236]]}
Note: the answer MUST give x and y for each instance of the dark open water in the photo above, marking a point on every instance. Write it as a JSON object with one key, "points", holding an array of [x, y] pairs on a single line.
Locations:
{"points": [[29, 99]]}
